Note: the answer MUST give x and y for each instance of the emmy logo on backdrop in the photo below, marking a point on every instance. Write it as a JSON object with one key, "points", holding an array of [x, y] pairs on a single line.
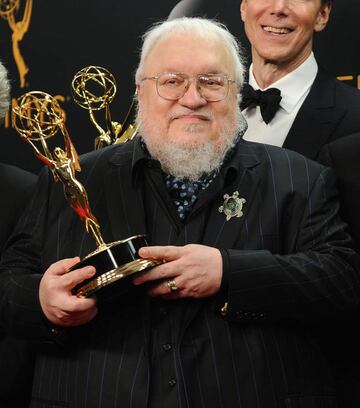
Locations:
{"points": [[8, 9], [94, 89], [37, 117]]}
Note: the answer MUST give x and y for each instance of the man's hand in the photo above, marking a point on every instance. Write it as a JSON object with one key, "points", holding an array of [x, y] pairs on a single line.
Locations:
{"points": [[59, 305], [189, 271]]}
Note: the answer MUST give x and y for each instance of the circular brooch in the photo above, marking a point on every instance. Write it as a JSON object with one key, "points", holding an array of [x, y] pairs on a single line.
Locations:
{"points": [[232, 206]]}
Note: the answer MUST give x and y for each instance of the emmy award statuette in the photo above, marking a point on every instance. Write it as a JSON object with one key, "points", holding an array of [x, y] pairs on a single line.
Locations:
{"points": [[94, 89], [37, 117], [8, 9]]}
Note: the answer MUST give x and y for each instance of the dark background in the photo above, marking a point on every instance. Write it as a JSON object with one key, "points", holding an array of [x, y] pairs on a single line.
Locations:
{"points": [[65, 36]]}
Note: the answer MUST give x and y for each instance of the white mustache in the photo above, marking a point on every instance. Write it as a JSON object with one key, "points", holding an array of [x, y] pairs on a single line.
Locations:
{"points": [[188, 112]]}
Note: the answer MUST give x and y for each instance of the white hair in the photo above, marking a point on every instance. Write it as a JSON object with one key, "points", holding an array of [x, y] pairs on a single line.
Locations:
{"points": [[196, 27], [4, 92]]}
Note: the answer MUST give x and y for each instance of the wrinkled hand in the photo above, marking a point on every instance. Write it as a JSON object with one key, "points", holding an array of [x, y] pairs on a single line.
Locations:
{"points": [[59, 305], [195, 269]]}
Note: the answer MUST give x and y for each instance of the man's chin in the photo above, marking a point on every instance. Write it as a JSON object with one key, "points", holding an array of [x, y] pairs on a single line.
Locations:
{"points": [[189, 140]]}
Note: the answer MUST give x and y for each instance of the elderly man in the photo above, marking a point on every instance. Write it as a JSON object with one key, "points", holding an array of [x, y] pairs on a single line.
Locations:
{"points": [[255, 253], [15, 355], [292, 102]]}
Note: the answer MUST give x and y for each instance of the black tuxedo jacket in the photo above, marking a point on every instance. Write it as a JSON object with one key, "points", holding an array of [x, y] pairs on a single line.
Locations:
{"points": [[329, 112], [288, 267], [16, 361], [343, 156]]}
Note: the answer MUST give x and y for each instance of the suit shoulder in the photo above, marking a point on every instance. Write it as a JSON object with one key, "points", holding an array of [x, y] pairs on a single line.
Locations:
{"points": [[344, 92], [347, 92], [350, 142], [106, 154], [280, 158], [344, 151], [13, 178]]}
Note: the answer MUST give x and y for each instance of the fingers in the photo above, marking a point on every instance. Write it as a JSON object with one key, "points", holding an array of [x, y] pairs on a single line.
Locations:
{"points": [[74, 314], [166, 253], [163, 271], [190, 271], [160, 272], [59, 305], [78, 305], [72, 278], [62, 266], [168, 289]]}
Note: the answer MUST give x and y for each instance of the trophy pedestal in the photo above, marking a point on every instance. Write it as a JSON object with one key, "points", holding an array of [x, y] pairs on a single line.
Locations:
{"points": [[113, 262]]}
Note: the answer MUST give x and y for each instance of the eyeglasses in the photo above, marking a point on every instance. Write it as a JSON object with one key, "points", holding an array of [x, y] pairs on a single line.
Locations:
{"points": [[173, 85]]}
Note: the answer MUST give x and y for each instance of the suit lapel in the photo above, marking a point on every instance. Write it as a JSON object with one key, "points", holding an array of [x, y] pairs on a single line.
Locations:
{"points": [[223, 233], [316, 119], [124, 201]]}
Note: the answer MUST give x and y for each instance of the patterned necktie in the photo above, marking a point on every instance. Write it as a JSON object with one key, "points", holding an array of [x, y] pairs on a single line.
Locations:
{"points": [[268, 101], [184, 193]]}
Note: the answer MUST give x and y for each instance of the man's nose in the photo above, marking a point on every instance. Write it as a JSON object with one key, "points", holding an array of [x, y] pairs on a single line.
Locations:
{"points": [[192, 97], [280, 7]]}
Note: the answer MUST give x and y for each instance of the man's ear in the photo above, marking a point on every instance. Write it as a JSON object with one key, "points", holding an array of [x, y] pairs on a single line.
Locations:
{"points": [[243, 7], [323, 17]]}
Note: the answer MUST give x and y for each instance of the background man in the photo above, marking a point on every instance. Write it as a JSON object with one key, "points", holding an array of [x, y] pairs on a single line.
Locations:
{"points": [[343, 156], [16, 186], [314, 108], [255, 253]]}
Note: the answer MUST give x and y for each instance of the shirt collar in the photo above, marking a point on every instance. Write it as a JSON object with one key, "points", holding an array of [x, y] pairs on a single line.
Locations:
{"points": [[141, 158], [140, 154], [293, 85]]}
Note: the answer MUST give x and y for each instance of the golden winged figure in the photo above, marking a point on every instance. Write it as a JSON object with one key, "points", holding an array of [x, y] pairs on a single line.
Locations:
{"points": [[8, 9]]}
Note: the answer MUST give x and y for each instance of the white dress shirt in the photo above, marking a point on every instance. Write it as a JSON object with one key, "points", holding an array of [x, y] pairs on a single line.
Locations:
{"points": [[294, 88]]}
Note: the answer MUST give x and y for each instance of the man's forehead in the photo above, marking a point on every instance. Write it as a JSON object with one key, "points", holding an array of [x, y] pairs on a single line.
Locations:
{"points": [[180, 53], [317, 2]]}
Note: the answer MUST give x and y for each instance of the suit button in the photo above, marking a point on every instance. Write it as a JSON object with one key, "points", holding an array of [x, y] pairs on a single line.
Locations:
{"points": [[167, 347], [172, 382]]}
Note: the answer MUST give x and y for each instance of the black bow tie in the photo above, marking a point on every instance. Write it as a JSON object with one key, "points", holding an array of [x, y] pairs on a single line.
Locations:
{"points": [[269, 100]]}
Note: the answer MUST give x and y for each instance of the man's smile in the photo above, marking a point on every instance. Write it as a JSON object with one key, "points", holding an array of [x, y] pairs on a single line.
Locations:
{"points": [[277, 30]]}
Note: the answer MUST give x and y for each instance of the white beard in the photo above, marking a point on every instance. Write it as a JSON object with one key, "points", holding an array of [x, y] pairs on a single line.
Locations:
{"points": [[192, 161]]}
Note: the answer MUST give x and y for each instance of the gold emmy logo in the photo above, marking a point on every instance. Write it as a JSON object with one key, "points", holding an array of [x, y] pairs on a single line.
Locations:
{"points": [[8, 9]]}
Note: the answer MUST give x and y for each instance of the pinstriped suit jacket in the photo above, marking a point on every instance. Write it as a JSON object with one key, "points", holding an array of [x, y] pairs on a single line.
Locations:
{"points": [[289, 267]]}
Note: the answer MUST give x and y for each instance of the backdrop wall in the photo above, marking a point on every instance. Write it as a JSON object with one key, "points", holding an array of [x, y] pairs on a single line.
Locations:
{"points": [[44, 43]]}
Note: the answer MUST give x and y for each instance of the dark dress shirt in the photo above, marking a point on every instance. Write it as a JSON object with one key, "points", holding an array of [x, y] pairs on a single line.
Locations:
{"points": [[166, 386]]}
